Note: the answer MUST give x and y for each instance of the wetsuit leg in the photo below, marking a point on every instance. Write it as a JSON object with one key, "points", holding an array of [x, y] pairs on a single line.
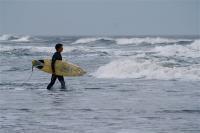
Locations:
{"points": [[62, 81], [53, 79]]}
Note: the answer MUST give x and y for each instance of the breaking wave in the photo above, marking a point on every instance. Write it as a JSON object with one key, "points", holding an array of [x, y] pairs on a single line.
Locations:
{"points": [[38, 50], [134, 40], [7, 37], [153, 66], [148, 40], [92, 39], [191, 50], [33, 49], [115, 40], [23, 39], [145, 69]]}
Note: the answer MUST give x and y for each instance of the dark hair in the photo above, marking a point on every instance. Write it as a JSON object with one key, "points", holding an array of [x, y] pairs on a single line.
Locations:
{"points": [[58, 45]]}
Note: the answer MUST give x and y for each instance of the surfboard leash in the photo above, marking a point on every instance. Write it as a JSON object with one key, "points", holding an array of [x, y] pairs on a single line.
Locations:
{"points": [[29, 77], [32, 72]]}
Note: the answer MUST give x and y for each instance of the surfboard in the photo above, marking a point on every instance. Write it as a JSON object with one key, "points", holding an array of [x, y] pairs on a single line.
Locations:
{"points": [[62, 68]]}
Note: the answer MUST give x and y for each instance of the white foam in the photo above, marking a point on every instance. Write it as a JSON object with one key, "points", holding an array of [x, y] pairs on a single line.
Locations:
{"points": [[135, 40], [34, 48], [195, 45], [134, 68], [191, 50], [89, 40], [85, 40], [6, 37], [149, 40], [22, 39], [51, 49]]}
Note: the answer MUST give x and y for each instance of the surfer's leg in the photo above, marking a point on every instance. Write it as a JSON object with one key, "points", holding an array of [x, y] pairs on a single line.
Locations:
{"points": [[53, 79], [62, 81]]}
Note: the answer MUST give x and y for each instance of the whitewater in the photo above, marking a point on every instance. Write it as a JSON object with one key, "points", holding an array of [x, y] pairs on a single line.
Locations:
{"points": [[134, 84]]}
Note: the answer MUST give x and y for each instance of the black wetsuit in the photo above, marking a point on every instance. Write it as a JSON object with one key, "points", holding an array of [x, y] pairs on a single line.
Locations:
{"points": [[56, 56]]}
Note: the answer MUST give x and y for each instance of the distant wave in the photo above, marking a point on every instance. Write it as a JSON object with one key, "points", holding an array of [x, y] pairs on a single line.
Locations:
{"points": [[144, 69], [7, 37], [38, 50], [33, 49], [195, 45], [114, 40], [191, 50], [134, 40], [149, 40], [23, 39], [92, 39]]}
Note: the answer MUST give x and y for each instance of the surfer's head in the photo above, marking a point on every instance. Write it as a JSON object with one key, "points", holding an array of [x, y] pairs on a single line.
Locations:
{"points": [[59, 47]]}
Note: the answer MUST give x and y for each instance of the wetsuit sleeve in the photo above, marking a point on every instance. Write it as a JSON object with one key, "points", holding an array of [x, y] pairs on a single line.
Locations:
{"points": [[53, 63], [56, 56]]}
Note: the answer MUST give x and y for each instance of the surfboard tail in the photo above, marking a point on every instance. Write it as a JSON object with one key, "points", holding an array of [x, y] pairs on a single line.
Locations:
{"points": [[38, 64]]}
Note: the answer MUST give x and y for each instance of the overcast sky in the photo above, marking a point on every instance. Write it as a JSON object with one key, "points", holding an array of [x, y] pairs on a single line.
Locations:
{"points": [[100, 17]]}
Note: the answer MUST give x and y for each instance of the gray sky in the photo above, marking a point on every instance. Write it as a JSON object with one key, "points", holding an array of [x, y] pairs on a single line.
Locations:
{"points": [[100, 17]]}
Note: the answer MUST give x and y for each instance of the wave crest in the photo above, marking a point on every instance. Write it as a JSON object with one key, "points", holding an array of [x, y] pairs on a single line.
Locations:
{"points": [[23, 39], [133, 68], [92, 39], [191, 50], [7, 37], [134, 40], [157, 40]]}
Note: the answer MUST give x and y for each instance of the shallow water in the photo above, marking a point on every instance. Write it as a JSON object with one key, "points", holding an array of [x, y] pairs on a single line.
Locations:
{"points": [[132, 86]]}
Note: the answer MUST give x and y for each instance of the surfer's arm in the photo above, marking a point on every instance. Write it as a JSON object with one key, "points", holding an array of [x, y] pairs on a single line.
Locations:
{"points": [[53, 64], [55, 57]]}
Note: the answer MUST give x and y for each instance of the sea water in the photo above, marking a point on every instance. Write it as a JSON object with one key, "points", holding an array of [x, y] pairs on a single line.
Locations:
{"points": [[134, 84]]}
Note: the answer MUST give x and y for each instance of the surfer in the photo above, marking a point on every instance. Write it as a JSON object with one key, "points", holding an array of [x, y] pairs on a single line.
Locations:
{"points": [[57, 56]]}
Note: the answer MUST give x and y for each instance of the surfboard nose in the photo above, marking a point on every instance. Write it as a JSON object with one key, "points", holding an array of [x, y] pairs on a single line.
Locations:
{"points": [[82, 72]]}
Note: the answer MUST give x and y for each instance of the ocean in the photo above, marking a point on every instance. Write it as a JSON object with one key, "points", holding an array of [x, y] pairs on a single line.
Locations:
{"points": [[134, 84]]}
